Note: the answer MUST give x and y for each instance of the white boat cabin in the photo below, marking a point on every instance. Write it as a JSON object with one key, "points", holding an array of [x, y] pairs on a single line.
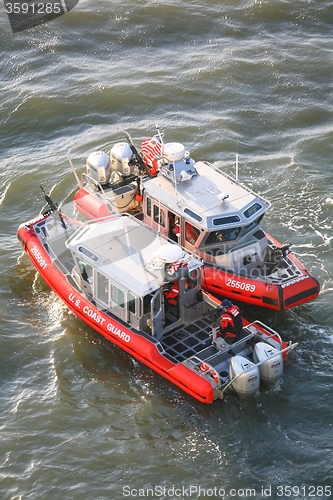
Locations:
{"points": [[193, 203], [207, 213], [129, 270]]}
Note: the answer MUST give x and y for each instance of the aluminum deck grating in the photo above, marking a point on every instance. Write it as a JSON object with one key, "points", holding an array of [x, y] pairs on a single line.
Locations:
{"points": [[186, 341]]}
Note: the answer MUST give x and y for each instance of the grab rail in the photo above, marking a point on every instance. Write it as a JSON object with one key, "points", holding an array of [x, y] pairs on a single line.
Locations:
{"points": [[265, 327], [92, 181], [234, 179]]}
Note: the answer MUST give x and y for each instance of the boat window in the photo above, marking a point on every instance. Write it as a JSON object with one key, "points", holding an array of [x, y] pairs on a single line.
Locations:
{"points": [[191, 280], [191, 233], [220, 221], [131, 302], [148, 207], [102, 288], [117, 296], [146, 303], [259, 234], [88, 254], [86, 271], [248, 228], [252, 210], [193, 214], [158, 216], [223, 235]]}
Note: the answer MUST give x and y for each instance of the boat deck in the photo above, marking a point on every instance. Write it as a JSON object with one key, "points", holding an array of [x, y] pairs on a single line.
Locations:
{"points": [[185, 341]]}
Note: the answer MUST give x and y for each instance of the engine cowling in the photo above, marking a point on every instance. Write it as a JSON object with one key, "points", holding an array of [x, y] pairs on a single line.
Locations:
{"points": [[98, 167], [121, 156], [271, 368], [248, 376]]}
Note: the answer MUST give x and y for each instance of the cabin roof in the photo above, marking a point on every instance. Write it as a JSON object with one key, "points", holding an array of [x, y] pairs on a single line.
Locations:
{"points": [[121, 248], [197, 198]]}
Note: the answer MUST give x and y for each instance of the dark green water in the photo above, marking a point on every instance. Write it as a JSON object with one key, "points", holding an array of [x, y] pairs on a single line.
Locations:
{"points": [[80, 419]]}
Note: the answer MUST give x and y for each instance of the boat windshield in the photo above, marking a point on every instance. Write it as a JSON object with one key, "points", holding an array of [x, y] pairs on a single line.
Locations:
{"points": [[223, 235], [250, 226]]}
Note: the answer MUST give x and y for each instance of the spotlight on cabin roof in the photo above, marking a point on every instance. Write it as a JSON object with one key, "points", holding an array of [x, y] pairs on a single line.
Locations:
{"points": [[222, 196]]}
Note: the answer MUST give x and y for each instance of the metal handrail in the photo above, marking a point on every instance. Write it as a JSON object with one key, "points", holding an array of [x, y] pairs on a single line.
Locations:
{"points": [[233, 179], [273, 332], [91, 181]]}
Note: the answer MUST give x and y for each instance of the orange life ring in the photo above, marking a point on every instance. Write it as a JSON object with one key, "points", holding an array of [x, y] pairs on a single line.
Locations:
{"points": [[205, 367]]}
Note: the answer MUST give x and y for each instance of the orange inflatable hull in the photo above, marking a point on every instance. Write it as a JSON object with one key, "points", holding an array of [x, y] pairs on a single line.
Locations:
{"points": [[259, 292]]}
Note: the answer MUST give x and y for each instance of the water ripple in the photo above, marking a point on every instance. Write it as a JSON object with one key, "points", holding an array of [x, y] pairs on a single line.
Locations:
{"points": [[253, 77]]}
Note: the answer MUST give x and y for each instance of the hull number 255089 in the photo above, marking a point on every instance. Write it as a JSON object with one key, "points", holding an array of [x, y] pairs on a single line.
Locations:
{"points": [[241, 285]]}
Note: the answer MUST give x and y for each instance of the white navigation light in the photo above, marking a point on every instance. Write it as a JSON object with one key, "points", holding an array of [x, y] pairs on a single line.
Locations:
{"points": [[222, 196]]}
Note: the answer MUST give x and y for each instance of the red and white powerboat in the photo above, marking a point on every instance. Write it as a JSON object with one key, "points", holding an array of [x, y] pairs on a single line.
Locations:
{"points": [[116, 273], [202, 208]]}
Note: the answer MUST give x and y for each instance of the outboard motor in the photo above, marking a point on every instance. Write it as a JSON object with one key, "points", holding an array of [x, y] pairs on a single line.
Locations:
{"points": [[98, 167], [121, 158], [248, 380], [271, 369]]}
